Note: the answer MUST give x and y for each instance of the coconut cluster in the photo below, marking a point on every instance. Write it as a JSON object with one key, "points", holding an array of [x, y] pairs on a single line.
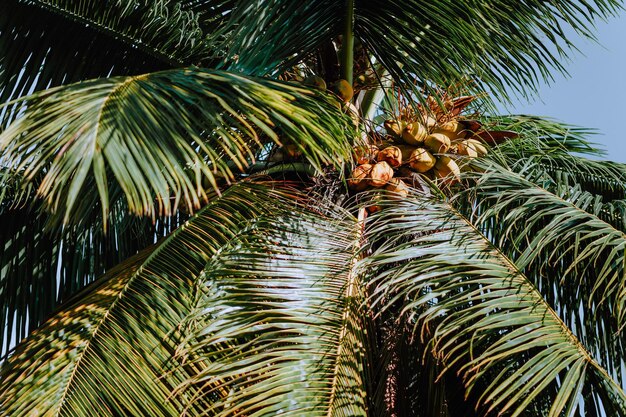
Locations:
{"points": [[422, 146]]}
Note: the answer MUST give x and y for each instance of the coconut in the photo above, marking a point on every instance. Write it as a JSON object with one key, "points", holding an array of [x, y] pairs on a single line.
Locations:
{"points": [[394, 128], [452, 129], [414, 133], [364, 154], [359, 179], [373, 208], [406, 151], [399, 189], [315, 81], [421, 160], [447, 168], [480, 147], [466, 148], [430, 123], [452, 126], [437, 143], [381, 173], [391, 154], [343, 90]]}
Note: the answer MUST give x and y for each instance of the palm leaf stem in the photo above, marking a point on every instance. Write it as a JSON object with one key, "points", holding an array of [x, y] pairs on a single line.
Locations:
{"points": [[347, 47]]}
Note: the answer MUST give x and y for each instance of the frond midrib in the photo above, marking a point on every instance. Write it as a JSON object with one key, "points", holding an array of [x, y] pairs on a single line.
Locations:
{"points": [[166, 58], [537, 294]]}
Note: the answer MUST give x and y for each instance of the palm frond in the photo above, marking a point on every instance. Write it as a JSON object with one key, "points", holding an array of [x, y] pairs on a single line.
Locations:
{"points": [[39, 50], [574, 257], [500, 45], [557, 151], [155, 139], [482, 318], [41, 267], [108, 351], [278, 325], [269, 36], [541, 136], [162, 28]]}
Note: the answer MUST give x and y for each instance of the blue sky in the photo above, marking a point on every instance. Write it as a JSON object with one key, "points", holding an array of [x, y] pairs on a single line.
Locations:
{"points": [[594, 95]]}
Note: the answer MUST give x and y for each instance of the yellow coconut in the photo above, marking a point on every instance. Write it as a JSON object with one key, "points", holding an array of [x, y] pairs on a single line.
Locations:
{"points": [[430, 123], [359, 179], [381, 173], [406, 151], [414, 133], [480, 147], [451, 126], [315, 81], [437, 143], [392, 155], [452, 129], [466, 148], [421, 160], [365, 153], [447, 168], [394, 128], [343, 90]]}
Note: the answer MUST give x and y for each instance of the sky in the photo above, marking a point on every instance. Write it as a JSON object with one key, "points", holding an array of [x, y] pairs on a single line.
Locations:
{"points": [[594, 94]]}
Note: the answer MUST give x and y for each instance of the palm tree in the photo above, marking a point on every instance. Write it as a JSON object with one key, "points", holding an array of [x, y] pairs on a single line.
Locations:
{"points": [[178, 237]]}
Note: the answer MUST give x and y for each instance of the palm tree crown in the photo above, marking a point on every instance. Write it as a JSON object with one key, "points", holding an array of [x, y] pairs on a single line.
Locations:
{"points": [[259, 208]]}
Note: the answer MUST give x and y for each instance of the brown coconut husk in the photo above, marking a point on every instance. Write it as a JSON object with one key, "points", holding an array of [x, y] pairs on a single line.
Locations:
{"points": [[365, 153], [392, 155], [380, 174], [360, 176]]}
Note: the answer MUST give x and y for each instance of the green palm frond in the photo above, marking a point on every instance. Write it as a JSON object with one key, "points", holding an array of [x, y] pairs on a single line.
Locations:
{"points": [[40, 49], [500, 45], [482, 318], [557, 151], [43, 266], [98, 353], [278, 327], [574, 257], [162, 28], [270, 36], [158, 137], [541, 136]]}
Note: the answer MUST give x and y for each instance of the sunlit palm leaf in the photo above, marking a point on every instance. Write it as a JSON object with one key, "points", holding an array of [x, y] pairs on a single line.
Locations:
{"points": [[263, 37], [109, 350], [39, 50], [41, 266], [573, 256], [157, 137], [279, 328], [558, 150], [481, 316]]}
